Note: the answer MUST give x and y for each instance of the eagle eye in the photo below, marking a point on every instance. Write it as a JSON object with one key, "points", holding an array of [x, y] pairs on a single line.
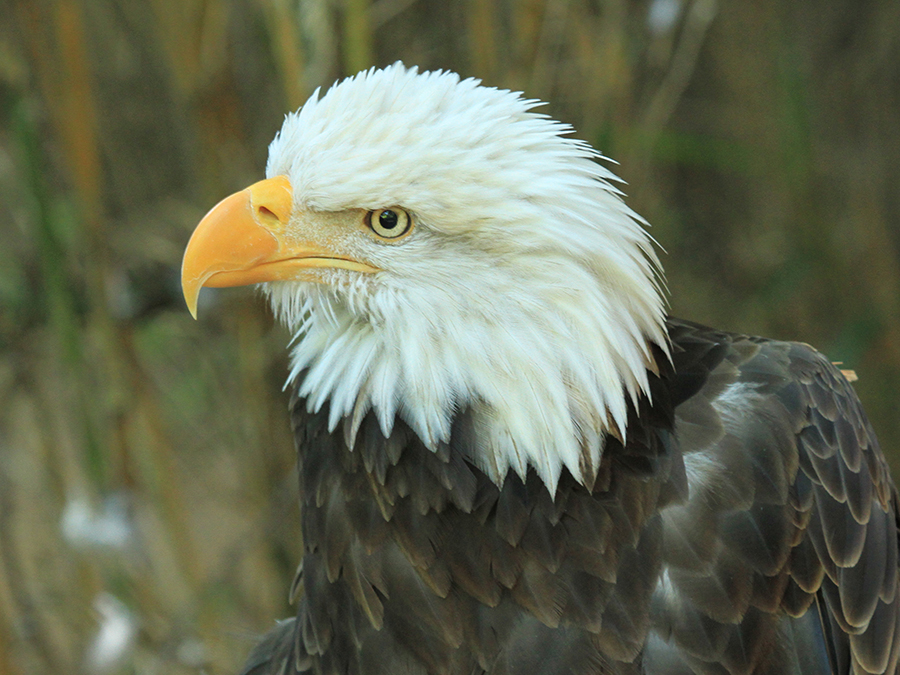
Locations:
{"points": [[389, 223]]}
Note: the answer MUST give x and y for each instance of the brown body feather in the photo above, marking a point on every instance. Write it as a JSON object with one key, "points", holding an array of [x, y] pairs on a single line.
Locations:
{"points": [[747, 525]]}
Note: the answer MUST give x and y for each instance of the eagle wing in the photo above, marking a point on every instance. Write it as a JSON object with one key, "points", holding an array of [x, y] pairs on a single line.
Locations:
{"points": [[784, 557]]}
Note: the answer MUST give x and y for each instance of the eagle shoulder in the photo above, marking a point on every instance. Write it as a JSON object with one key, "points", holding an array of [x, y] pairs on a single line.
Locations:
{"points": [[789, 533]]}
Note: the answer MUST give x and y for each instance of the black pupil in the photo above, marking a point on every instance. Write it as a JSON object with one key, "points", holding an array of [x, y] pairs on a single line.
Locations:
{"points": [[388, 219]]}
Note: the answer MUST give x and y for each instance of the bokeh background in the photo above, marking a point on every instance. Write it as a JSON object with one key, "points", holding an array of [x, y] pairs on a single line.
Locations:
{"points": [[148, 519]]}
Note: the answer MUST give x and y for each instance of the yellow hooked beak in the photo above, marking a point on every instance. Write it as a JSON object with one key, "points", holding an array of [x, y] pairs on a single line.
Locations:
{"points": [[244, 240]]}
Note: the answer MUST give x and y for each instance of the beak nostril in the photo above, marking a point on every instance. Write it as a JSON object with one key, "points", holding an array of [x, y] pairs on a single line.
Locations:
{"points": [[268, 218], [270, 203]]}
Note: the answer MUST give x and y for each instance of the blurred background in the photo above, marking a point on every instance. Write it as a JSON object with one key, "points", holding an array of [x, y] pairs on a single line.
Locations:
{"points": [[148, 519]]}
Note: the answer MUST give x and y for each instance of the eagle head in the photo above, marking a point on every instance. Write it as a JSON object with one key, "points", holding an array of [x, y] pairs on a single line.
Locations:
{"points": [[435, 246]]}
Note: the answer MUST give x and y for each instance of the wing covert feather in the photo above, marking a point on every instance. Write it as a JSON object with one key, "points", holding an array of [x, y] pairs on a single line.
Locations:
{"points": [[821, 522]]}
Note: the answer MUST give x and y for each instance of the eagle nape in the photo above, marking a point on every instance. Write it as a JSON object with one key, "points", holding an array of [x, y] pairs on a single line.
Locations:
{"points": [[511, 459]]}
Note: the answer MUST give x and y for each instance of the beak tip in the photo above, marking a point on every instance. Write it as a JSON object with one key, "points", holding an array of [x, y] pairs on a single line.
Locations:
{"points": [[191, 296]]}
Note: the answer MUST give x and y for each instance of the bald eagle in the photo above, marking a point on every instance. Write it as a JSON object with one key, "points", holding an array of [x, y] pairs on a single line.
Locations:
{"points": [[511, 459]]}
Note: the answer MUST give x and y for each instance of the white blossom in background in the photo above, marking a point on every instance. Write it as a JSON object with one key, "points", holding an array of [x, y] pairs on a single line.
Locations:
{"points": [[115, 638], [110, 526], [663, 15]]}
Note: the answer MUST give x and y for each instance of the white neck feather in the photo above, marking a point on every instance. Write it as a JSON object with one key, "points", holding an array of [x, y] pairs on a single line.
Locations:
{"points": [[545, 375]]}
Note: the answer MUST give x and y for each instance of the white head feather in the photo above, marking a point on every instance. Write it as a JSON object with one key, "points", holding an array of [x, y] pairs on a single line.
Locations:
{"points": [[527, 293]]}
